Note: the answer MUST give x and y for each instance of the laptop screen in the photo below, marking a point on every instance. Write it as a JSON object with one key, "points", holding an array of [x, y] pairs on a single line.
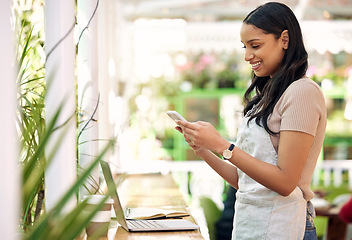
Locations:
{"points": [[113, 193]]}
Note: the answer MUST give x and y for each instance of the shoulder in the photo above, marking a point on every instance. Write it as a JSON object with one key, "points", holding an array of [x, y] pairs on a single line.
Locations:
{"points": [[303, 90], [304, 85], [302, 107], [302, 95]]}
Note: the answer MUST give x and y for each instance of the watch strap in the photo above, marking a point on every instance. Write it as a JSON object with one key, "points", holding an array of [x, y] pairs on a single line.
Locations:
{"points": [[232, 146]]}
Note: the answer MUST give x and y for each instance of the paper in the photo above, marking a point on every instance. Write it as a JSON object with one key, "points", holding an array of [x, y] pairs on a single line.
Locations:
{"points": [[153, 213]]}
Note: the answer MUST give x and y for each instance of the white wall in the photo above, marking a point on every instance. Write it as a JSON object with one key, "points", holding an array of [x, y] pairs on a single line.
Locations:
{"points": [[9, 176], [61, 89]]}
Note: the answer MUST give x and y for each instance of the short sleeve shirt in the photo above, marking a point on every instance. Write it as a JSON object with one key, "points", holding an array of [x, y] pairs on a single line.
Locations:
{"points": [[301, 108]]}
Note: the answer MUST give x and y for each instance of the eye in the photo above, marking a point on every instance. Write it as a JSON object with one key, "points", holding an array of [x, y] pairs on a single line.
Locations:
{"points": [[255, 46]]}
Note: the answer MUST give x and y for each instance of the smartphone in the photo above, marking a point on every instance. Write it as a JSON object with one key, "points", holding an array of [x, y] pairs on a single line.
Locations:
{"points": [[175, 115]]}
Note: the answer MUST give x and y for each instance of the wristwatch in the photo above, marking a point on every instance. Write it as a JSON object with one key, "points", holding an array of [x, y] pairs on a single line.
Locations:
{"points": [[227, 153]]}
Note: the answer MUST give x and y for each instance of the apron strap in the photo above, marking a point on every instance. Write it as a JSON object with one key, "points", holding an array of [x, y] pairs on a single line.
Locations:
{"points": [[310, 209]]}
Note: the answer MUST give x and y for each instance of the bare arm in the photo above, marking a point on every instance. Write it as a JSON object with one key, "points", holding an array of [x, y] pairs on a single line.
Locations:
{"points": [[293, 152], [225, 169]]}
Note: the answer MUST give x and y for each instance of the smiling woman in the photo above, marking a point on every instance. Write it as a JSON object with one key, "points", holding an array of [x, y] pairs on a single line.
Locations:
{"points": [[279, 141]]}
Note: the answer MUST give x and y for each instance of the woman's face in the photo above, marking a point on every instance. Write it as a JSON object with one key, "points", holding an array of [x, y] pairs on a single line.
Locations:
{"points": [[263, 51]]}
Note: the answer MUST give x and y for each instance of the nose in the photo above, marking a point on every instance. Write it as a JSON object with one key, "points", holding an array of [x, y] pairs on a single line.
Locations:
{"points": [[248, 55]]}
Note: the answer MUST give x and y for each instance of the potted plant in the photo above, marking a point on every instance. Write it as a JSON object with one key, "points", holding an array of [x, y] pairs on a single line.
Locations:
{"points": [[34, 133]]}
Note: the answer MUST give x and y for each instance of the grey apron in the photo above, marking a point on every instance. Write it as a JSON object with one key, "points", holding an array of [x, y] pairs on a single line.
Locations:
{"points": [[261, 213]]}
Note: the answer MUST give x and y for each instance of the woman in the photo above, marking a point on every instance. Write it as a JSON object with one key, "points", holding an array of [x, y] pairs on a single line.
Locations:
{"points": [[278, 144]]}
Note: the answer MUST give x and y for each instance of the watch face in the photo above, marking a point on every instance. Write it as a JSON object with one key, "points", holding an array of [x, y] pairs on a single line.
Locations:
{"points": [[227, 154]]}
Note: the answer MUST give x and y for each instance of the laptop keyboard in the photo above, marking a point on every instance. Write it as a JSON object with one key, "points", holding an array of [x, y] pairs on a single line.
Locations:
{"points": [[144, 224]]}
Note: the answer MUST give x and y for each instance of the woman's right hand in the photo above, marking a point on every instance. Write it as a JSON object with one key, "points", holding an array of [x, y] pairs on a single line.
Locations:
{"points": [[204, 135], [197, 150]]}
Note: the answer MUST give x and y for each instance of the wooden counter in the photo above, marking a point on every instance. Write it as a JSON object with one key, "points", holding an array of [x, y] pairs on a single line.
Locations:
{"points": [[151, 190]]}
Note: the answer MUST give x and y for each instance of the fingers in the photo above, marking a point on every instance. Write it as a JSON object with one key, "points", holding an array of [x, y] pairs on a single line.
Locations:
{"points": [[189, 141], [193, 131], [193, 125], [186, 135], [186, 124], [189, 136], [195, 148], [188, 128], [203, 123], [178, 128], [189, 131]]}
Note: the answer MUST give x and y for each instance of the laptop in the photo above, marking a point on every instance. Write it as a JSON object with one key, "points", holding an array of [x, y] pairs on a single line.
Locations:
{"points": [[141, 225]]}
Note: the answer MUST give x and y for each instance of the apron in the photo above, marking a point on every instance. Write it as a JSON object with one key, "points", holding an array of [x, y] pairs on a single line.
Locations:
{"points": [[261, 213]]}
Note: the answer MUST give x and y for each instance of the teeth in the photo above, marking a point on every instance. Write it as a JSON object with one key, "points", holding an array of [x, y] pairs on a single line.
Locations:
{"points": [[256, 64]]}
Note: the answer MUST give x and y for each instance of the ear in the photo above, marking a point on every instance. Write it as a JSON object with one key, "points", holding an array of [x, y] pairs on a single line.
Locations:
{"points": [[285, 38]]}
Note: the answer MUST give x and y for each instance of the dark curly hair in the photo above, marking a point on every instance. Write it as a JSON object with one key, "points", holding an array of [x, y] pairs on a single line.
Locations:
{"points": [[274, 18]]}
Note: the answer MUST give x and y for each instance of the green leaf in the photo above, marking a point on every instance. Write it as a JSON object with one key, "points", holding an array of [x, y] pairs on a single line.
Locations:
{"points": [[50, 219]]}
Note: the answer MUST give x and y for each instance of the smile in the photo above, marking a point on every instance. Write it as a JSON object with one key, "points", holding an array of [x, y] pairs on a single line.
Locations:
{"points": [[256, 65]]}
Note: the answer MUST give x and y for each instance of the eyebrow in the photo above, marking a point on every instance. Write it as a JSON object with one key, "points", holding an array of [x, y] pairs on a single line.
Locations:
{"points": [[252, 40]]}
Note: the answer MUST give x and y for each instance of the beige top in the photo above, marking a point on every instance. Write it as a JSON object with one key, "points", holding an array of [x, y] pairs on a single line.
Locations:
{"points": [[301, 108]]}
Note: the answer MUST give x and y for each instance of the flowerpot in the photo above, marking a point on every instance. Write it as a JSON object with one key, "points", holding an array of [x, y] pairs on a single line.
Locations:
{"points": [[99, 224]]}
